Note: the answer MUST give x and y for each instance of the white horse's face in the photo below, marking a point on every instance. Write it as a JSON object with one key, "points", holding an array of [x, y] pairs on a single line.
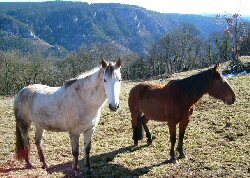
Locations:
{"points": [[112, 83]]}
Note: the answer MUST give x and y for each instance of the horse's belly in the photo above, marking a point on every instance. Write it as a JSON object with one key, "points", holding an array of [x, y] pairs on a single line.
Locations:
{"points": [[156, 117], [65, 121], [55, 128], [53, 119], [153, 111], [52, 123]]}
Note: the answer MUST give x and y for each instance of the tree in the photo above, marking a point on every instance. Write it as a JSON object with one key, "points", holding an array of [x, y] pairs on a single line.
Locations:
{"points": [[236, 30], [222, 46], [245, 46], [180, 50]]}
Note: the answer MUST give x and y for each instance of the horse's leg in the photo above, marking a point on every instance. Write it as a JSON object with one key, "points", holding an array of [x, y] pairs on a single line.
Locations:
{"points": [[182, 128], [148, 134], [74, 140], [172, 131], [38, 142], [87, 147], [137, 126]]}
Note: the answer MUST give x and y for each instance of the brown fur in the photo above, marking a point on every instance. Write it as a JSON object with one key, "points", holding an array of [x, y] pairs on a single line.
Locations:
{"points": [[159, 102], [174, 103]]}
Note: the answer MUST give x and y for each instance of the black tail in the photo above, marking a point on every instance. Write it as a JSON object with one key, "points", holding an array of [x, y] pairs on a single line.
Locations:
{"points": [[19, 144], [137, 131]]}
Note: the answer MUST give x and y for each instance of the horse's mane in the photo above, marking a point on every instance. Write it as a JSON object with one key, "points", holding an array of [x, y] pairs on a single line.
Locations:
{"points": [[88, 73], [195, 84], [81, 76], [70, 82], [110, 71]]}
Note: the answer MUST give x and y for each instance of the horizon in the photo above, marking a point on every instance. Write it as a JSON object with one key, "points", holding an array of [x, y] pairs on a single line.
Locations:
{"points": [[198, 7]]}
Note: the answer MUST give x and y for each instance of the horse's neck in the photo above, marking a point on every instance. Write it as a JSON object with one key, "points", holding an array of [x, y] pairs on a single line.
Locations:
{"points": [[195, 87], [93, 89]]}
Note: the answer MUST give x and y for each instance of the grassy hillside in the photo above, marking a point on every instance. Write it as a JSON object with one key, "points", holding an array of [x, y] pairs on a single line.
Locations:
{"points": [[217, 142]]}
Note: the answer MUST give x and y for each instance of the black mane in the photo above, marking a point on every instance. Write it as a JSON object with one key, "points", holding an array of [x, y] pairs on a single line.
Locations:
{"points": [[70, 82], [196, 84]]}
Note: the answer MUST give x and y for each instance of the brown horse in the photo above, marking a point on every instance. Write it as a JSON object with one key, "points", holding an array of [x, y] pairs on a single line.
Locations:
{"points": [[174, 103]]}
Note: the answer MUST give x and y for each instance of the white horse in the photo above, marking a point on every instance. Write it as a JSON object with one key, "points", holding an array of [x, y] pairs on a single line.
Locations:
{"points": [[74, 108]]}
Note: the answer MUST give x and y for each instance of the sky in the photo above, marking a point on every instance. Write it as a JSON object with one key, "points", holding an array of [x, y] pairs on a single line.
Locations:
{"points": [[179, 6]]}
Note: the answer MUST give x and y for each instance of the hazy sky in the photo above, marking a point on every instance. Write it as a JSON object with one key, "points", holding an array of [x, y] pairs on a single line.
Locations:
{"points": [[180, 6]]}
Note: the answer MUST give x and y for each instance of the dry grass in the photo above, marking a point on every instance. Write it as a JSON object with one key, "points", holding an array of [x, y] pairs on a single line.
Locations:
{"points": [[217, 142]]}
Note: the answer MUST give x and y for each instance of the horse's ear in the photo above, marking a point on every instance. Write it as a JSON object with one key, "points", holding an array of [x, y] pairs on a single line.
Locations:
{"points": [[104, 64], [217, 66], [118, 63]]}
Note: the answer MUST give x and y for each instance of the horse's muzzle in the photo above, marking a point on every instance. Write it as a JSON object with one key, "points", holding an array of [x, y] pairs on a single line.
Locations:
{"points": [[112, 108], [230, 101]]}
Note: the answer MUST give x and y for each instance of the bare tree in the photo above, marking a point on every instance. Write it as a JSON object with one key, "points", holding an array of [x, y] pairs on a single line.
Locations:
{"points": [[235, 29]]}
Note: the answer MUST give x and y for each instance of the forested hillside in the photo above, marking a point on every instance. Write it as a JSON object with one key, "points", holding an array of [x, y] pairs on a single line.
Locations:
{"points": [[61, 26], [51, 42]]}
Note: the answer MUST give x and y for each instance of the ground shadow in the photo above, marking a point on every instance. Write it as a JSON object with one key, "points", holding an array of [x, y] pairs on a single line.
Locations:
{"points": [[102, 166], [12, 169]]}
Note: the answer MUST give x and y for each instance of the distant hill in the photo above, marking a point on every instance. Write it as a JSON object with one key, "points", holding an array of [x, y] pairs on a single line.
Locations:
{"points": [[57, 27]]}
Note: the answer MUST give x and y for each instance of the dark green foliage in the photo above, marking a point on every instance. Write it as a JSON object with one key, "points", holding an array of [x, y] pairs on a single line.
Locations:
{"points": [[13, 42], [18, 70]]}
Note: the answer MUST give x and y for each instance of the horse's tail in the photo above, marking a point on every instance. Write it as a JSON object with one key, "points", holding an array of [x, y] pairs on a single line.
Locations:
{"points": [[22, 128], [135, 113], [20, 153]]}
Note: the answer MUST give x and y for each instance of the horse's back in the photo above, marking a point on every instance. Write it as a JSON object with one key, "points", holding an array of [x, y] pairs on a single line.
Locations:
{"points": [[41, 89], [143, 88], [28, 96], [139, 92], [29, 93]]}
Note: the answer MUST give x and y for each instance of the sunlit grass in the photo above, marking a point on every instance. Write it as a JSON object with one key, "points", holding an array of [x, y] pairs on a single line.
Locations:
{"points": [[217, 142]]}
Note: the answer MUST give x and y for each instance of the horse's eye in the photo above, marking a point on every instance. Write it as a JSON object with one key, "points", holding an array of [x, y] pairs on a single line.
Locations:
{"points": [[120, 80], [104, 80]]}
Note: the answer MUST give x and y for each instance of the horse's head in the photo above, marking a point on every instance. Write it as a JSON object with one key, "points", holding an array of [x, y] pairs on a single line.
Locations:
{"points": [[112, 83], [219, 87]]}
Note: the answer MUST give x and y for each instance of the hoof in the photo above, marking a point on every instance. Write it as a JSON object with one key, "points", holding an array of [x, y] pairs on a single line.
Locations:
{"points": [[29, 166], [173, 160], [149, 142], [135, 143], [45, 166], [182, 156]]}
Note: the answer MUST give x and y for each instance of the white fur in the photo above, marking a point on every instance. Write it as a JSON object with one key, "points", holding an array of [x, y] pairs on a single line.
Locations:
{"points": [[113, 87], [73, 108]]}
